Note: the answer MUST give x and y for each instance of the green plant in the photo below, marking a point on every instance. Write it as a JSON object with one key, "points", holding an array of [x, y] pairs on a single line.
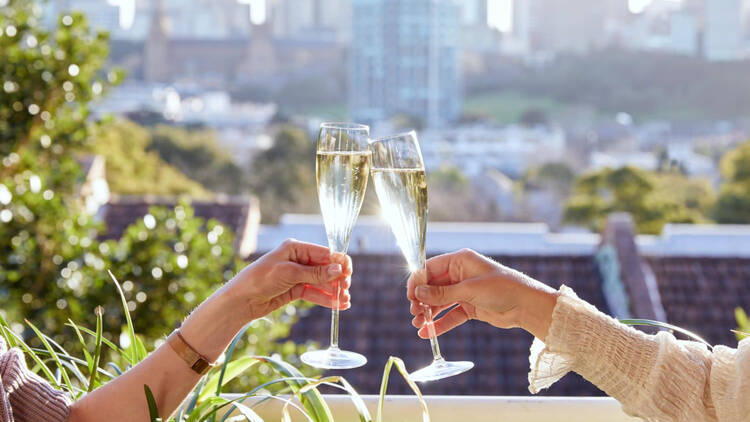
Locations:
{"points": [[743, 324], [206, 403], [733, 204], [742, 331], [653, 199], [664, 325], [48, 79], [132, 168], [282, 176]]}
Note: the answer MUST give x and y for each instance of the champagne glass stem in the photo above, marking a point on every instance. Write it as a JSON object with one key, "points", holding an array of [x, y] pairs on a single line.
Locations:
{"points": [[433, 335], [335, 318], [429, 322]]}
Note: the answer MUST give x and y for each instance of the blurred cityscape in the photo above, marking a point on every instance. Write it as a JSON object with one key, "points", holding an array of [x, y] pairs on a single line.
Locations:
{"points": [[496, 87]]}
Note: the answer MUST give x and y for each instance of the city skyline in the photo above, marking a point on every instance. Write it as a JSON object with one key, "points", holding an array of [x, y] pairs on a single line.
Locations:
{"points": [[499, 12]]}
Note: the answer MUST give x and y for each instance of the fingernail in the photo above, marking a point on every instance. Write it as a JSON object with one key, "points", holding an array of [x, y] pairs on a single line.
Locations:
{"points": [[421, 292], [334, 269]]}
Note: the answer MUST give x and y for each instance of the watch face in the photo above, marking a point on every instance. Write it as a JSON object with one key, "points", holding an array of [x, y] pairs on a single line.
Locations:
{"points": [[197, 363], [201, 366]]}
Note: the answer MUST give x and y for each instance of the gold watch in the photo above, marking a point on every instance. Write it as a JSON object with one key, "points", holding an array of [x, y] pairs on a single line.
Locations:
{"points": [[195, 360]]}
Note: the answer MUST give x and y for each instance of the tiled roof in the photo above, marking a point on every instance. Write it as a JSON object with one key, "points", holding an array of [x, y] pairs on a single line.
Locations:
{"points": [[237, 213], [700, 294], [379, 325]]}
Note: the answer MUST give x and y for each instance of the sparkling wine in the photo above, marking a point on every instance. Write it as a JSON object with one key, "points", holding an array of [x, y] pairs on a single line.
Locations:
{"points": [[402, 194], [342, 180]]}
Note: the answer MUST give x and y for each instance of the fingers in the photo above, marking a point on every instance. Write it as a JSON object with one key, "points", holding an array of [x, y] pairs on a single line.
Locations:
{"points": [[344, 260], [442, 270], [447, 322], [444, 295], [323, 296], [449, 265], [318, 274], [419, 313], [417, 308], [305, 253]]}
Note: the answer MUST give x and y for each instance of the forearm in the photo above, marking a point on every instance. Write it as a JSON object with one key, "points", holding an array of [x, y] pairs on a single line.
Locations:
{"points": [[652, 376], [209, 329]]}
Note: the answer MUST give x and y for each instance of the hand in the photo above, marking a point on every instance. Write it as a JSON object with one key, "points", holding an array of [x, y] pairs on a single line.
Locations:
{"points": [[294, 270], [476, 287]]}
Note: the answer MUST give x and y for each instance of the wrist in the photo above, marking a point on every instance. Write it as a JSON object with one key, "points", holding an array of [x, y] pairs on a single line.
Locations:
{"points": [[536, 312], [211, 327]]}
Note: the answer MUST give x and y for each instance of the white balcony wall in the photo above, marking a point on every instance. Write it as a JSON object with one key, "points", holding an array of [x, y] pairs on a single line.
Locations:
{"points": [[466, 408]]}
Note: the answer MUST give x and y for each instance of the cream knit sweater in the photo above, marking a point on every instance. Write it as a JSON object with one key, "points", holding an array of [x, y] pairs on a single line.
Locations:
{"points": [[655, 377], [24, 397]]}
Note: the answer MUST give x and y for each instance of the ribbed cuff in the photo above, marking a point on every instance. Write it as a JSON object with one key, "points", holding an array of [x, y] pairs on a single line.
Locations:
{"points": [[31, 398]]}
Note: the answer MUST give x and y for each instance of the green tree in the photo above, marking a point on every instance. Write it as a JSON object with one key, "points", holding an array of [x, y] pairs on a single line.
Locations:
{"points": [[198, 153], [283, 176], [452, 197], [733, 204], [52, 265], [48, 79], [534, 117], [557, 177], [133, 169], [653, 199]]}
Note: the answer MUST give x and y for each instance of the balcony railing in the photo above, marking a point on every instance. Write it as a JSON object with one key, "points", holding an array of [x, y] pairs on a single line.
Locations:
{"points": [[466, 409]]}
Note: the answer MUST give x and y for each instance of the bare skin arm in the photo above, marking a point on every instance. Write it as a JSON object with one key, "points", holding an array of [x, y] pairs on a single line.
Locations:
{"points": [[295, 270]]}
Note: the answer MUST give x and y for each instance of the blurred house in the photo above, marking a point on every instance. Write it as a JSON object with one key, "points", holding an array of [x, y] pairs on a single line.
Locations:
{"points": [[567, 26], [691, 276], [239, 214], [511, 149], [725, 36], [713, 29], [616, 159]]}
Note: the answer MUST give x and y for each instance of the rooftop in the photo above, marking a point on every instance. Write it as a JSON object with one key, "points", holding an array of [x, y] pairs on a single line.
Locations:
{"points": [[691, 276], [240, 214]]}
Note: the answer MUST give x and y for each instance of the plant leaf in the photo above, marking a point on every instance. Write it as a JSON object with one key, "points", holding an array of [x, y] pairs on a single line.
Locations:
{"points": [[153, 410], [131, 331], [97, 350], [384, 387], [230, 372], [311, 400], [652, 323], [86, 353], [247, 412], [55, 358], [364, 413], [307, 387], [8, 339], [228, 356], [114, 366], [115, 348], [25, 347]]}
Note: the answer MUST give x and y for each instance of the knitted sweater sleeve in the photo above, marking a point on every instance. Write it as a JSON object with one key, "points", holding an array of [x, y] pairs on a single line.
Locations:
{"points": [[24, 397], [655, 377]]}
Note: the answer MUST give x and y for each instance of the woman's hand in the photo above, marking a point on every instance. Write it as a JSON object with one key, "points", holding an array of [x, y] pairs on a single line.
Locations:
{"points": [[482, 289], [294, 270]]}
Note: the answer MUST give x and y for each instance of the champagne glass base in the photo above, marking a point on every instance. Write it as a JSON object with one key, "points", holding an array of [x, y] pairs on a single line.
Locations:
{"points": [[440, 369], [333, 358]]}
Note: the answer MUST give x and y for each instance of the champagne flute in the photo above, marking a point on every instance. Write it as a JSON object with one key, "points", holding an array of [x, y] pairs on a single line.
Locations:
{"points": [[342, 168], [401, 184]]}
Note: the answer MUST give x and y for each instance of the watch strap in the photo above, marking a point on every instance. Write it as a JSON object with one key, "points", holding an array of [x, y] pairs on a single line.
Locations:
{"points": [[184, 350]]}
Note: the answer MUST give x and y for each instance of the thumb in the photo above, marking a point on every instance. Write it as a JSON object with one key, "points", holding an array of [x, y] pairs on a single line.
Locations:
{"points": [[442, 295], [316, 274]]}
